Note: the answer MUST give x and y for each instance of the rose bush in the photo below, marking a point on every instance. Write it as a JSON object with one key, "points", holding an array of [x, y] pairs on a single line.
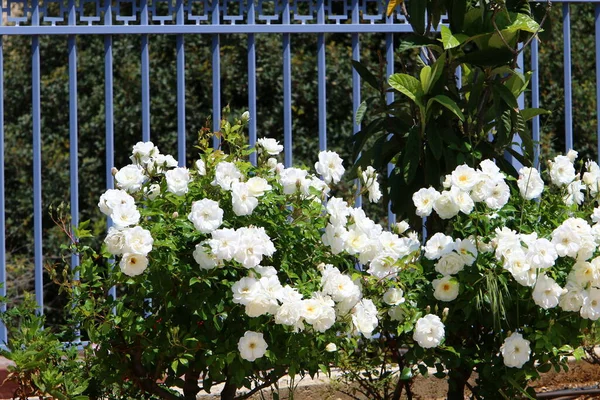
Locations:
{"points": [[231, 272], [515, 273]]}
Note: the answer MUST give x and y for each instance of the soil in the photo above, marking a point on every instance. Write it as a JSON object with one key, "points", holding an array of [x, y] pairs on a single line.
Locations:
{"points": [[581, 374]]}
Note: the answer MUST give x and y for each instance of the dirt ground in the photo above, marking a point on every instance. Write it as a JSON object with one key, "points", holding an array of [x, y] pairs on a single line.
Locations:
{"points": [[581, 374]]}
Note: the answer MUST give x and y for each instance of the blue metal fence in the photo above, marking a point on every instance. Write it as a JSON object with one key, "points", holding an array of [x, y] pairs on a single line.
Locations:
{"points": [[72, 18]]}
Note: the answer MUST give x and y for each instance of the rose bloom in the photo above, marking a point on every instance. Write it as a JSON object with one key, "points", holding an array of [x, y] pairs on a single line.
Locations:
{"points": [[591, 304], [423, 200], [252, 346], [133, 264], [464, 177], [446, 288], [429, 331], [130, 178], [206, 215], [445, 206], [530, 183], [394, 297], [269, 145], [515, 351], [177, 181], [450, 264], [330, 166], [547, 292]]}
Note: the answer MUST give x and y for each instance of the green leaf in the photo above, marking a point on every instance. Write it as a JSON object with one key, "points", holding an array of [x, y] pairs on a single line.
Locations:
{"points": [[450, 41], [488, 57], [579, 353], [360, 112], [408, 86], [412, 41], [530, 113], [506, 95], [523, 22], [411, 156], [425, 78], [416, 15], [406, 374], [448, 103], [457, 15], [434, 139], [366, 75]]}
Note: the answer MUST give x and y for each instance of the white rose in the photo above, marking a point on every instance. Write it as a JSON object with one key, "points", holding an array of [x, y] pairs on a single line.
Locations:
{"points": [[133, 264], [450, 264], [201, 167], [330, 166], [203, 257], [445, 206], [424, 199], [590, 308], [115, 241], [152, 191], [547, 292], [143, 152], [225, 174], [138, 241], [562, 171], [269, 145], [206, 215], [125, 215], [130, 178], [252, 346], [446, 288], [113, 198], [464, 177], [177, 181], [242, 200], [331, 347], [530, 183], [429, 331], [257, 186], [364, 317], [515, 351], [394, 296]]}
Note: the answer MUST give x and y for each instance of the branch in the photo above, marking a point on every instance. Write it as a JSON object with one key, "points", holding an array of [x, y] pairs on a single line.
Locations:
{"points": [[259, 387]]}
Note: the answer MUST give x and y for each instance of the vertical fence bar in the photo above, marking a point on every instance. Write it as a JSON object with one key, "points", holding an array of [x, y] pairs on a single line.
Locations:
{"points": [[145, 76], [37, 161], [535, 101], [287, 90], [567, 77], [597, 29], [3, 336], [321, 78], [109, 113], [389, 70], [180, 89], [252, 82], [73, 131], [355, 85], [216, 78]]}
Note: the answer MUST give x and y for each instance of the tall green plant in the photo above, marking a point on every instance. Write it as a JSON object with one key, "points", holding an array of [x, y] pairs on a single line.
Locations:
{"points": [[460, 105]]}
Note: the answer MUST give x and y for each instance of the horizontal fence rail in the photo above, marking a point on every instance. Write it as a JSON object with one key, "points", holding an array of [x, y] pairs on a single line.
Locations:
{"points": [[71, 19]]}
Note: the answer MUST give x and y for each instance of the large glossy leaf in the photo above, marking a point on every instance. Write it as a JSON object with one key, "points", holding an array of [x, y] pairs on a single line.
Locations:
{"points": [[411, 156], [412, 41], [450, 41], [366, 75], [416, 10], [523, 22], [457, 16], [434, 141], [506, 95], [488, 57], [448, 103], [408, 86], [529, 113]]}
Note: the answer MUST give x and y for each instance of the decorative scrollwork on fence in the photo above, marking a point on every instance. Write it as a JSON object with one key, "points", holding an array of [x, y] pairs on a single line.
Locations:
{"points": [[196, 12]]}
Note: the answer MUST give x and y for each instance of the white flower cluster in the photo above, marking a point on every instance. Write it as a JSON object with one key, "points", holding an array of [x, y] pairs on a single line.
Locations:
{"points": [[132, 243], [369, 181], [465, 186], [452, 256], [339, 296], [350, 230]]}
